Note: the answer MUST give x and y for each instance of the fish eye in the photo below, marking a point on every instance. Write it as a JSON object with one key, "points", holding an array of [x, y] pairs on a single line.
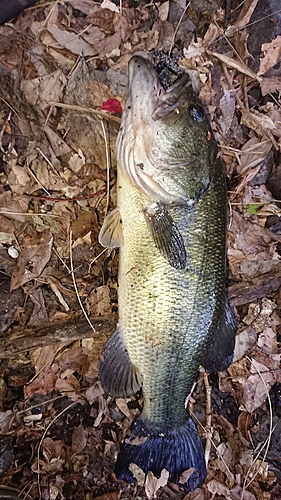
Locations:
{"points": [[197, 113]]}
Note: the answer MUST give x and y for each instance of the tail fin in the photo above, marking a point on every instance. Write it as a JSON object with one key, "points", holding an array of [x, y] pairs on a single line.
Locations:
{"points": [[176, 451]]}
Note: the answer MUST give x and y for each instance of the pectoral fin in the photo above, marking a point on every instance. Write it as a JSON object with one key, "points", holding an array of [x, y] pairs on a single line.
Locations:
{"points": [[111, 233], [166, 235], [220, 354], [118, 375]]}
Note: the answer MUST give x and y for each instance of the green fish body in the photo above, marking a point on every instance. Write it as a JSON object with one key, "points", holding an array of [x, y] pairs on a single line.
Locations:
{"points": [[170, 225]]}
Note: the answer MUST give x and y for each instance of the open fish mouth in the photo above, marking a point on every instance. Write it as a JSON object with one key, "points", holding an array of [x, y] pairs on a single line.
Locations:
{"points": [[148, 93]]}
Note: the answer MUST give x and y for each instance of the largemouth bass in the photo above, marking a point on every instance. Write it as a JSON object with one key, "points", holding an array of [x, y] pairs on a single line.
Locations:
{"points": [[170, 225]]}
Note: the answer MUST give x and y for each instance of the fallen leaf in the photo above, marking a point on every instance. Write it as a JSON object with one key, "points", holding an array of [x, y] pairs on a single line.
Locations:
{"points": [[39, 313], [122, 405], [227, 109], [32, 259], [244, 341], [107, 4], [270, 55], [67, 39], [217, 488], [7, 228], [40, 91], [186, 475], [244, 17], [6, 420], [98, 302], [163, 11], [44, 383], [109, 496], [267, 341], [79, 439], [138, 474], [153, 484], [244, 424]]}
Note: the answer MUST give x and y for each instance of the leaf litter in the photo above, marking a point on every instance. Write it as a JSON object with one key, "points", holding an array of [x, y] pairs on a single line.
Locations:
{"points": [[65, 74]]}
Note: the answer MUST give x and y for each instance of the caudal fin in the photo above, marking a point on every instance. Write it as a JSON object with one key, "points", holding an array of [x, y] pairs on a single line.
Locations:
{"points": [[176, 451]]}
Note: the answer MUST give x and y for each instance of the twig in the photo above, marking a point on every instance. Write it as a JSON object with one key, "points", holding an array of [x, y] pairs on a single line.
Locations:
{"points": [[37, 180], [267, 442], [75, 285], [208, 418], [99, 112], [41, 441], [177, 27], [107, 166]]}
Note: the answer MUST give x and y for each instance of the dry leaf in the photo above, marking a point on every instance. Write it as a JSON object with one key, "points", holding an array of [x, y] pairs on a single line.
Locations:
{"points": [[236, 64], [122, 405], [33, 258], [227, 108], [69, 40], [244, 341], [7, 228], [270, 84], [163, 10], [186, 475], [39, 313], [98, 302], [109, 496], [79, 439], [271, 54], [40, 91], [76, 360], [6, 420], [220, 489], [254, 243], [138, 474], [94, 392], [44, 383], [70, 387], [244, 17], [253, 153], [107, 4], [153, 484]]}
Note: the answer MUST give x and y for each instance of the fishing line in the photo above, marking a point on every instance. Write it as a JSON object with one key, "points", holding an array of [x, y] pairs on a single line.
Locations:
{"points": [[247, 25]]}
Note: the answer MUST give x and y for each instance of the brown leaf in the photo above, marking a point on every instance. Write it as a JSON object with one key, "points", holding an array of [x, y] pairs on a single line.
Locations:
{"points": [[244, 16], [79, 439], [40, 91], [98, 302], [33, 258], [85, 222], [7, 228], [271, 54], [244, 423], [43, 384], [109, 496], [76, 360], [39, 313], [244, 341], [153, 484]]}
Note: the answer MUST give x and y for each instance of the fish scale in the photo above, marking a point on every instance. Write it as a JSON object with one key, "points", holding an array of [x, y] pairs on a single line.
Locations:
{"points": [[173, 313]]}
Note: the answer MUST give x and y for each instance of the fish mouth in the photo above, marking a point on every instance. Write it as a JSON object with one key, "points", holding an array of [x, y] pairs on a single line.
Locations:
{"points": [[147, 93]]}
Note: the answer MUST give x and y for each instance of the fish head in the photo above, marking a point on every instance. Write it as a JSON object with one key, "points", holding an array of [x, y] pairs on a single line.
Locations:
{"points": [[165, 144]]}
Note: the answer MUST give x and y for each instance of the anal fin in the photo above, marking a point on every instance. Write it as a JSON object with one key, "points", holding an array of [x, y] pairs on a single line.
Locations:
{"points": [[166, 235], [220, 354], [118, 375], [111, 233]]}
